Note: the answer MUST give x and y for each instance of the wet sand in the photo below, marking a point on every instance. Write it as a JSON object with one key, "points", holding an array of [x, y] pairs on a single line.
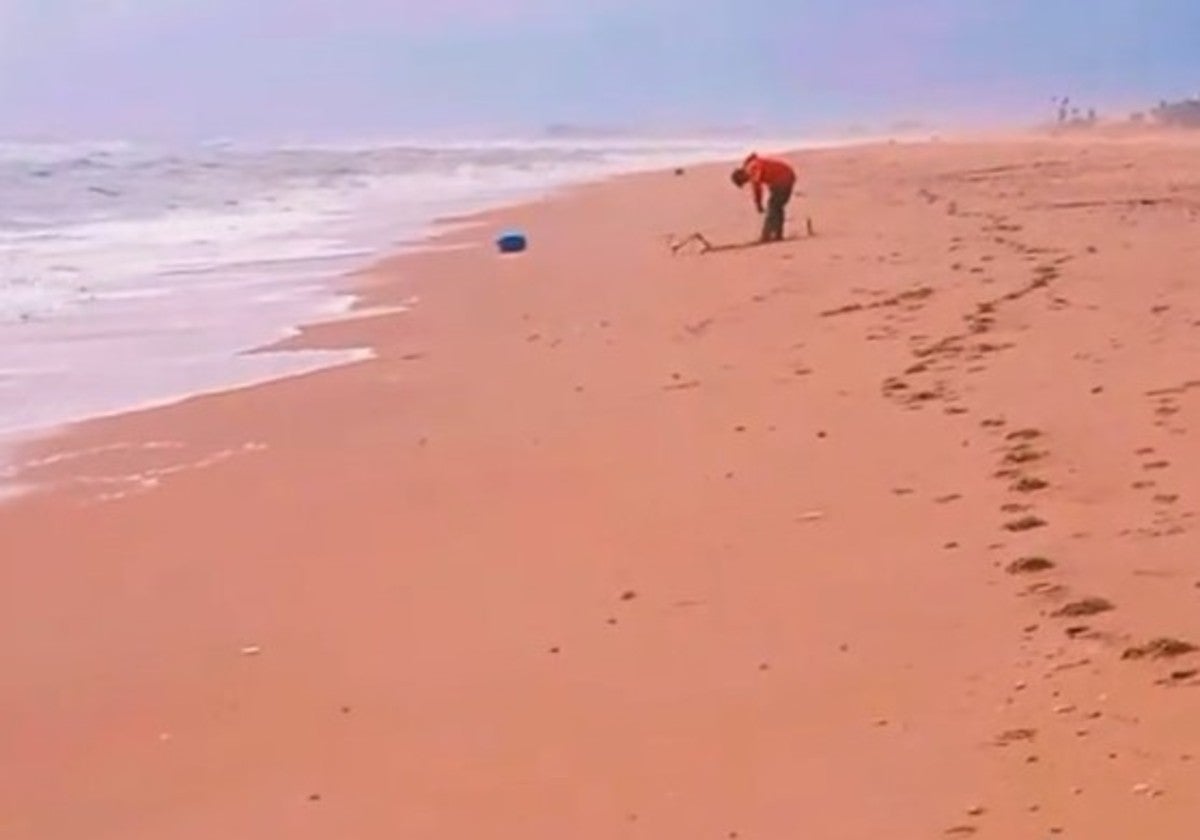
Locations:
{"points": [[886, 533]]}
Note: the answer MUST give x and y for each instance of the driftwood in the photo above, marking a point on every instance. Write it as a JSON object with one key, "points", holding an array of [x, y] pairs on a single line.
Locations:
{"points": [[707, 247]]}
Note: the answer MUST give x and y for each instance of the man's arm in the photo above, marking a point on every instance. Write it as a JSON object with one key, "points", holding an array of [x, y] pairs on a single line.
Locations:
{"points": [[753, 168]]}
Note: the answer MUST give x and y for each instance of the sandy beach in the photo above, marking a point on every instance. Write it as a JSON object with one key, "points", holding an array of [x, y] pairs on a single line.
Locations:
{"points": [[889, 532]]}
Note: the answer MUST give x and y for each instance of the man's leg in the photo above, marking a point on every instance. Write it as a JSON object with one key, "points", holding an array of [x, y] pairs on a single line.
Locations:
{"points": [[768, 228], [776, 213]]}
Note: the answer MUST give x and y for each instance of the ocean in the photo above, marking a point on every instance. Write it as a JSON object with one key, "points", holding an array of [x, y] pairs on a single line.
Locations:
{"points": [[132, 276]]}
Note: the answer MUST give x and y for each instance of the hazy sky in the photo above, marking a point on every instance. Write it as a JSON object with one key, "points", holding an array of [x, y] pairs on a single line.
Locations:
{"points": [[348, 68]]}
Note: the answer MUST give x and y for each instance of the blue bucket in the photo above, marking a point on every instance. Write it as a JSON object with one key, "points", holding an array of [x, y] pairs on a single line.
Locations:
{"points": [[512, 242]]}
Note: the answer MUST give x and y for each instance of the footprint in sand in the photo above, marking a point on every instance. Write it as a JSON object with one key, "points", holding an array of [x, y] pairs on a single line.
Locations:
{"points": [[1162, 648], [1177, 677], [1024, 435], [1046, 590], [1030, 566], [1084, 608], [1025, 523], [1015, 736], [1023, 454]]}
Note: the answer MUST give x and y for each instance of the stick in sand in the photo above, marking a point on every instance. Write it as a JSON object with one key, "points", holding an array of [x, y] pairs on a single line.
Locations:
{"points": [[707, 247]]}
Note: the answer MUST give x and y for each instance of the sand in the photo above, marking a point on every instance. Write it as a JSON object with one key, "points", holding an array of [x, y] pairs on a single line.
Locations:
{"points": [[886, 533]]}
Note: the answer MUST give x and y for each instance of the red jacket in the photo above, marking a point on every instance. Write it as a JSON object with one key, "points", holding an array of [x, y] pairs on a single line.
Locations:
{"points": [[768, 172]]}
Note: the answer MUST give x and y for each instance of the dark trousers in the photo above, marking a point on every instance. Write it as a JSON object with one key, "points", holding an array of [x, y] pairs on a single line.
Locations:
{"points": [[777, 202]]}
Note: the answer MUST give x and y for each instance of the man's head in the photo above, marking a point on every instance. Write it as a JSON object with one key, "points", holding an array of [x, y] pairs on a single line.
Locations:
{"points": [[739, 177]]}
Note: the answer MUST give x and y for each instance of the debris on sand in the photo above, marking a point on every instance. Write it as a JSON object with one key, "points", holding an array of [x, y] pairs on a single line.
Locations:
{"points": [[678, 245]]}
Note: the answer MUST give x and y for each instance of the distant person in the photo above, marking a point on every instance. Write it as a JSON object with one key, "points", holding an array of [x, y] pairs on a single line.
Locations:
{"points": [[779, 180]]}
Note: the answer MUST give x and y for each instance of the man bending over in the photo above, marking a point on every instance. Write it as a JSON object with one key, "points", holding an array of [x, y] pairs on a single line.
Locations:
{"points": [[778, 179]]}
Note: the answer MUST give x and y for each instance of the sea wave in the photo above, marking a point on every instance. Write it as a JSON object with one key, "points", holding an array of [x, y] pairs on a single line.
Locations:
{"points": [[220, 247]]}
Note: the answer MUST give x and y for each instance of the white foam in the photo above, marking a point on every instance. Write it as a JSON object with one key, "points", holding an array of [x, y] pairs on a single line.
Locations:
{"points": [[132, 277]]}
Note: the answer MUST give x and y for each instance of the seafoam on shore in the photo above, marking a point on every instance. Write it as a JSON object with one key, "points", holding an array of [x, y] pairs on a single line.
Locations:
{"points": [[132, 276]]}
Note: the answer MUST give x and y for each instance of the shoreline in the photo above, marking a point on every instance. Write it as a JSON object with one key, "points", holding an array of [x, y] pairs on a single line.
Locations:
{"points": [[609, 542], [445, 234], [449, 234], [179, 314]]}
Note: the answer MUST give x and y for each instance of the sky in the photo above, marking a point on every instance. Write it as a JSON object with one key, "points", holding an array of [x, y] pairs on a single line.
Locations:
{"points": [[357, 68]]}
